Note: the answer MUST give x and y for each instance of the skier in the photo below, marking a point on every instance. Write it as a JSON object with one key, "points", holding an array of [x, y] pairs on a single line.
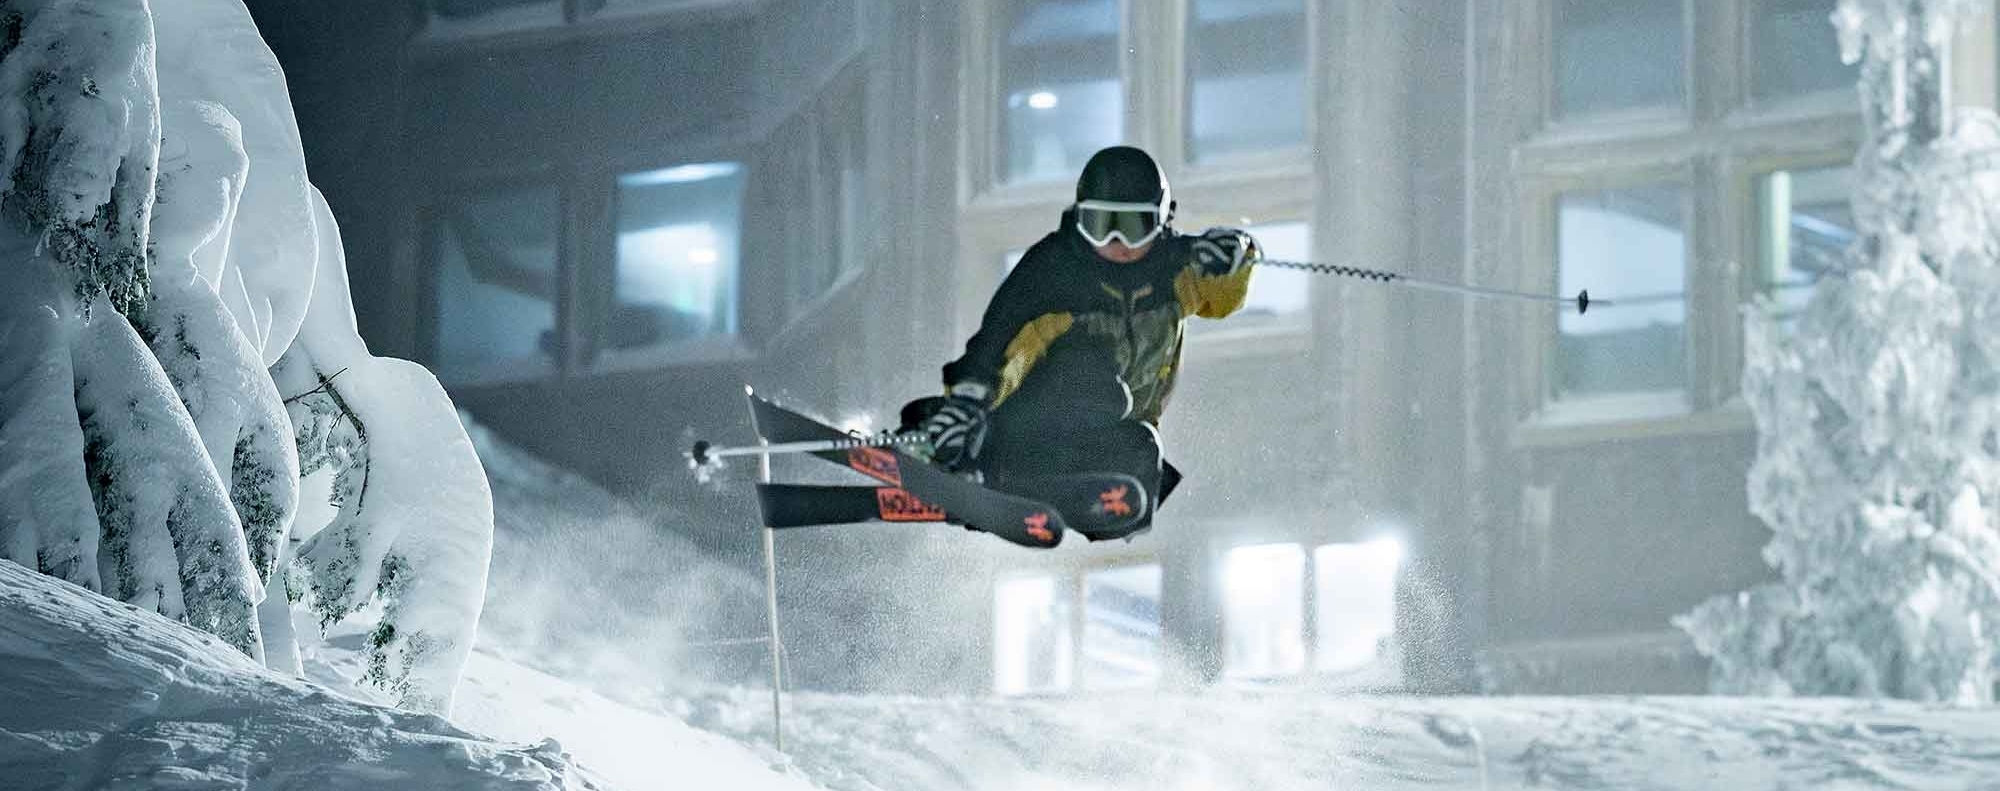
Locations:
{"points": [[1077, 353]]}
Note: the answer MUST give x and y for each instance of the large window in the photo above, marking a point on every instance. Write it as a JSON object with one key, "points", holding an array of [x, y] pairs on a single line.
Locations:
{"points": [[1794, 50], [1619, 55], [594, 267], [1657, 183], [497, 284], [1040, 645], [1263, 610], [1061, 96], [1804, 227], [1630, 241], [676, 266], [1347, 635], [1218, 91], [1355, 604], [1246, 76], [1121, 627], [1031, 636]]}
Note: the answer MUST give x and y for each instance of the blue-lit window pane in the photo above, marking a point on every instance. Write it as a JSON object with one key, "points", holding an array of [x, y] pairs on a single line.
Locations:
{"points": [[1247, 76], [1631, 243], [1061, 98], [1805, 227], [1121, 627], [1263, 610], [1355, 587], [1619, 55], [496, 258], [676, 276], [1796, 49], [1031, 636]]}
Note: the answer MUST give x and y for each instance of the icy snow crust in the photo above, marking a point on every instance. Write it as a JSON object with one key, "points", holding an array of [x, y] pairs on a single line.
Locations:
{"points": [[95, 694], [1285, 741]]}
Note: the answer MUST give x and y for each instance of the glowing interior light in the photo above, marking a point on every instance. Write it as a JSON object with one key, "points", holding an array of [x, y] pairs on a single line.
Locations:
{"points": [[703, 255], [1042, 100], [1388, 550]]}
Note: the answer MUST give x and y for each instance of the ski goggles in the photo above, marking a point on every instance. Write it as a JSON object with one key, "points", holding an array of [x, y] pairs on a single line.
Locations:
{"points": [[1132, 223]]}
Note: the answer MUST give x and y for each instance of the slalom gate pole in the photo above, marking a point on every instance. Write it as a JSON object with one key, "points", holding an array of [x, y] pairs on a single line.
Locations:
{"points": [[771, 617]]}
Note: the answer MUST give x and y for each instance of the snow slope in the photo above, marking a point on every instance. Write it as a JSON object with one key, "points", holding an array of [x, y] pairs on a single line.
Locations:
{"points": [[96, 694], [1277, 741]]}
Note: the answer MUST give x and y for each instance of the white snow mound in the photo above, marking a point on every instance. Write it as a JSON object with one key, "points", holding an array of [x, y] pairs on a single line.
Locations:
{"points": [[98, 694]]}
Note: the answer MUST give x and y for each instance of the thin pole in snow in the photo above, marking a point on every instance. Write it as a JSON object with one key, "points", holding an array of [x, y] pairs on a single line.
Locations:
{"points": [[771, 617]]}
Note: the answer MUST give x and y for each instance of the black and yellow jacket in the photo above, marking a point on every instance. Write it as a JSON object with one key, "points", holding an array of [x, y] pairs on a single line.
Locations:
{"points": [[1124, 320]]}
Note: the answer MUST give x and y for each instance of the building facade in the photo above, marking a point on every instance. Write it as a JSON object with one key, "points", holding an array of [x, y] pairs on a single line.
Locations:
{"points": [[597, 220]]}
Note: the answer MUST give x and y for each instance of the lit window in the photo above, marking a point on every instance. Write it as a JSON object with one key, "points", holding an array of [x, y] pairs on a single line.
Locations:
{"points": [[676, 275], [1805, 226], [1264, 610], [1247, 76], [1796, 49], [1355, 595], [1121, 627], [1619, 55], [1031, 636], [1061, 98], [1628, 242], [496, 291]]}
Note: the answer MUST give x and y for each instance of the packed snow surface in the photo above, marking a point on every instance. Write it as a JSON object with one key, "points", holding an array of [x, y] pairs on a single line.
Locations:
{"points": [[96, 694], [1280, 741]]}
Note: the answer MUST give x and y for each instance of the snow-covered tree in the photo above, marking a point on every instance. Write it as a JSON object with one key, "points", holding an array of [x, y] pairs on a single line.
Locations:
{"points": [[1878, 460], [178, 355]]}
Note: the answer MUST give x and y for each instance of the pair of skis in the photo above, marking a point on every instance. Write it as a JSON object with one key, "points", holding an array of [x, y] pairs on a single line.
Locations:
{"points": [[1032, 513]]}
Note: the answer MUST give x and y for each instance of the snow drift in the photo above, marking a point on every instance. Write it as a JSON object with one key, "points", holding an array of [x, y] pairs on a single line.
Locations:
{"points": [[100, 694]]}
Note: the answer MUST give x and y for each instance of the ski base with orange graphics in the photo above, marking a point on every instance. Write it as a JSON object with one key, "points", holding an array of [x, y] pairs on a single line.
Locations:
{"points": [[1091, 503], [910, 490]]}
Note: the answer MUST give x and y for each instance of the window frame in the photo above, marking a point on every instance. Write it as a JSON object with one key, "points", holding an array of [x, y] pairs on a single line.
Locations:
{"points": [[1544, 235], [1662, 116], [1747, 235], [1274, 186], [601, 232], [1072, 577], [1310, 674], [516, 370], [1155, 111], [1178, 110], [1717, 147]]}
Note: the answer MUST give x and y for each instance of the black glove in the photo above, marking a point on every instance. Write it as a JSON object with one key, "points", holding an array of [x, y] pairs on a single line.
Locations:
{"points": [[1225, 251], [956, 430]]}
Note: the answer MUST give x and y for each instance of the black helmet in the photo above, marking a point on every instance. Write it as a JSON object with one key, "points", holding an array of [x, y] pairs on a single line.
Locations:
{"points": [[1123, 193]]}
